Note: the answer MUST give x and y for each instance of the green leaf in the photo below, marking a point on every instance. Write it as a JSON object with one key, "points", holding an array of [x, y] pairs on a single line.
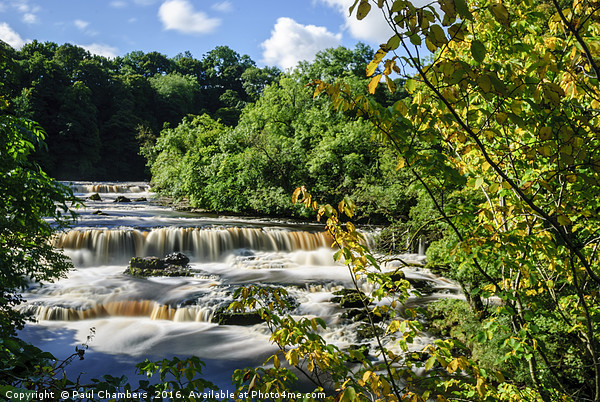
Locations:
{"points": [[349, 395], [410, 85], [393, 43], [429, 363], [363, 9], [438, 34], [478, 51], [463, 9], [415, 39]]}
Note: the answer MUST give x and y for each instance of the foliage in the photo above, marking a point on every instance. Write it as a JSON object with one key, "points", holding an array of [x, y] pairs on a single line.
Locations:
{"points": [[283, 140], [32, 206], [27, 196], [300, 342], [508, 102], [91, 106]]}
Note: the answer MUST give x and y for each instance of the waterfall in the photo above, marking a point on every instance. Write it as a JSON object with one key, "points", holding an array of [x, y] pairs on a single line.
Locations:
{"points": [[87, 187], [202, 244], [125, 308]]}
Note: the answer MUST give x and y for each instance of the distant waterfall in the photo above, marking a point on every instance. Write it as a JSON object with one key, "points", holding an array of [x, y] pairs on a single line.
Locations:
{"points": [[85, 187]]}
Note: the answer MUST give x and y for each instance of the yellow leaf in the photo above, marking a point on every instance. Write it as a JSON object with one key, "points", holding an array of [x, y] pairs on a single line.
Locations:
{"points": [[372, 66], [401, 163], [453, 366], [296, 194], [390, 84], [480, 386], [373, 83], [401, 107]]}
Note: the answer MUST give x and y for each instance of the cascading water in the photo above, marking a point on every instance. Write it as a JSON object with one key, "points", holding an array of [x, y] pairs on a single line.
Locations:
{"points": [[160, 317]]}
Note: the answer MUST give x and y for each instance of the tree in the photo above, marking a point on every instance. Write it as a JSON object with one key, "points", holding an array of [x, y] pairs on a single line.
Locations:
{"points": [[145, 64], [175, 95], [255, 80], [509, 101]]}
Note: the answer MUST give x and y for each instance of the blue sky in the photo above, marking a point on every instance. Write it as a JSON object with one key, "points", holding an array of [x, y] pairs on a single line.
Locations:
{"points": [[271, 32]]}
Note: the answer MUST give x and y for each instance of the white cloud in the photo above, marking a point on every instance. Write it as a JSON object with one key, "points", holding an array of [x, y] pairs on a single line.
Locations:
{"points": [[10, 36], [179, 15], [29, 18], [22, 7], [291, 42], [373, 28], [224, 7], [118, 4], [28, 11], [101, 49], [81, 24]]}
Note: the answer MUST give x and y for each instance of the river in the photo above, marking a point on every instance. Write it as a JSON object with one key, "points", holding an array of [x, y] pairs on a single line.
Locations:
{"points": [[124, 320]]}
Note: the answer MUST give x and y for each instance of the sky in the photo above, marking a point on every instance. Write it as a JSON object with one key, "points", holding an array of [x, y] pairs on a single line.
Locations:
{"points": [[272, 32]]}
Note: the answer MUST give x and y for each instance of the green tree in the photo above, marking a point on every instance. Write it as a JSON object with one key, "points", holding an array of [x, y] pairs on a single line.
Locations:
{"points": [[508, 100], [175, 96], [31, 204], [255, 80], [145, 64]]}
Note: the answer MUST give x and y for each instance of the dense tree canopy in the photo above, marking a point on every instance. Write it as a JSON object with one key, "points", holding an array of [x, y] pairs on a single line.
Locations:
{"points": [[93, 108], [283, 140]]}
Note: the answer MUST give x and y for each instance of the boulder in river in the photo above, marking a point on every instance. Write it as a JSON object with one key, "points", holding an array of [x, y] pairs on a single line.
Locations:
{"points": [[95, 197], [122, 198], [98, 212], [175, 264], [224, 317], [348, 298], [177, 259]]}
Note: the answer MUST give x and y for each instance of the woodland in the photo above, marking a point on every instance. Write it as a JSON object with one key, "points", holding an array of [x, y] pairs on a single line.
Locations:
{"points": [[488, 149]]}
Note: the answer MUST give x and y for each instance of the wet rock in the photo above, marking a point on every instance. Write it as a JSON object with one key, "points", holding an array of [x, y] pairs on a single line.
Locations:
{"points": [[141, 199], [147, 263], [122, 198], [423, 286], [359, 314], [397, 275], [95, 197], [245, 254], [98, 212], [177, 259], [349, 298], [224, 317], [366, 331], [154, 266]]}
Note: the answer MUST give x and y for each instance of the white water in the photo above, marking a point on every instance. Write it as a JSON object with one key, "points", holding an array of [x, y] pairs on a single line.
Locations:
{"points": [[135, 318]]}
